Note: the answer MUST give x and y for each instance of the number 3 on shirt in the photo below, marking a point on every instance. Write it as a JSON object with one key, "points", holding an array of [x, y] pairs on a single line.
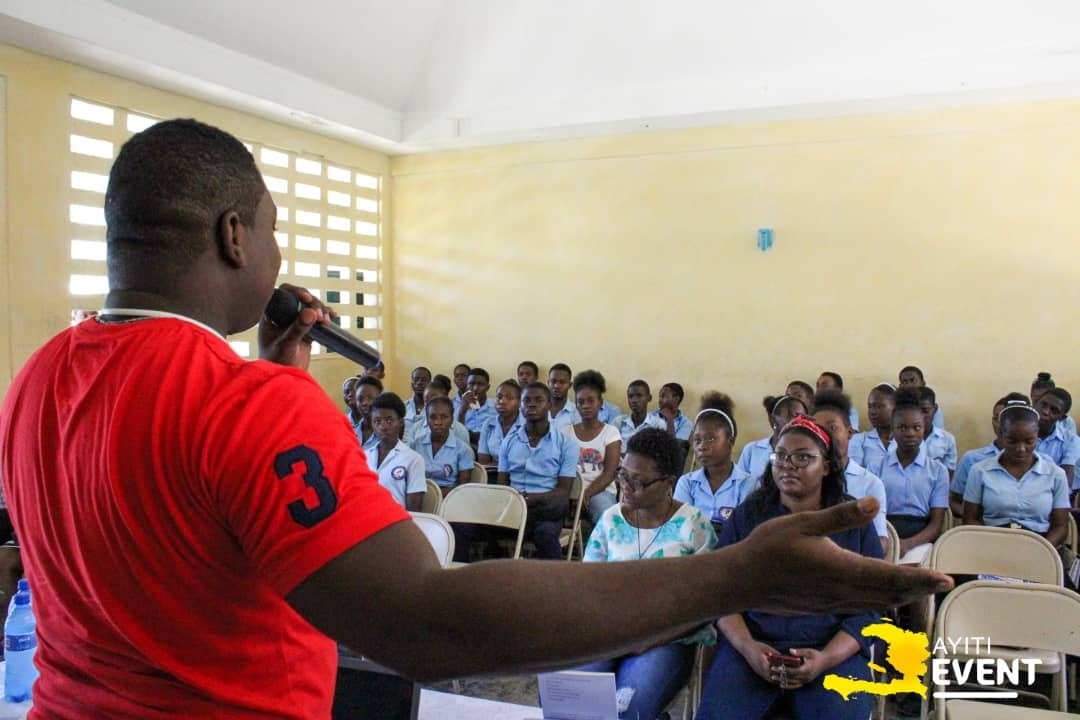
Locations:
{"points": [[314, 479]]}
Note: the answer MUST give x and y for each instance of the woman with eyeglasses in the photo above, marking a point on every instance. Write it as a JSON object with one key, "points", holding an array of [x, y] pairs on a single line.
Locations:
{"points": [[766, 662], [650, 523]]}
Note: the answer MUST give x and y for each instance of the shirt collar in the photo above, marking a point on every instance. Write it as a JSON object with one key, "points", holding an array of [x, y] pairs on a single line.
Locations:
{"points": [[138, 313]]}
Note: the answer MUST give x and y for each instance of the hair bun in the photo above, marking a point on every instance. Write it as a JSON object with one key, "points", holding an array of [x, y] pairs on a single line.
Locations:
{"points": [[1044, 376]]}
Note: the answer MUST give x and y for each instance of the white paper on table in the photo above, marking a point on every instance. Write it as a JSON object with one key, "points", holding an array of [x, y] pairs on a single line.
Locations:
{"points": [[574, 695]]}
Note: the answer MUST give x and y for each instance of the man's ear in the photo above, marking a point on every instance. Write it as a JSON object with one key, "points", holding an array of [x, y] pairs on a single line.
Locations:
{"points": [[232, 239]]}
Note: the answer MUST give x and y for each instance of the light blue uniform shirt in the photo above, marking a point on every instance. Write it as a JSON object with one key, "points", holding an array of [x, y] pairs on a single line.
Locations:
{"points": [[410, 409], [941, 446], [755, 457], [1069, 423], [443, 467], [420, 428], [867, 450], [538, 469], [1061, 446], [627, 429], [970, 459], [567, 416], [853, 418], [863, 483], [1027, 501], [939, 419], [915, 489], [694, 488], [492, 436], [475, 419], [371, 447], [683, 426], [609, 411], [401, 471]]}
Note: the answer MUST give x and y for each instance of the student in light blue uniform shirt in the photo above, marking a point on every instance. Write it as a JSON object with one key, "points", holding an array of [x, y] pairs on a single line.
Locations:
{"points": [[563, 410], [1043, 382], [832, 411], [414, 406], [348, 392], [830, 381], [438, 387], [912, 376], [1019, 486], [671, 396], [506, 420], [638, 397], [540, 462], [755, 456], [461, 384], [940, 444], [976, 456], [1055, 440], [367, 389], [869, 448], [718, 486], [916, 485], [448, 460], [475, 408], [400, 469], [609, 412]]}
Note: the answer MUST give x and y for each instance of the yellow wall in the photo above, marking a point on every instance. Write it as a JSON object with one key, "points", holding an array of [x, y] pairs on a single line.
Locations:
{"points": [[35, 240], [944, 239]]}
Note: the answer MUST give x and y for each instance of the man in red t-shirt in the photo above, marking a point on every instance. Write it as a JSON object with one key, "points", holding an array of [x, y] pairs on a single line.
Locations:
{"points": [[194, 526]]}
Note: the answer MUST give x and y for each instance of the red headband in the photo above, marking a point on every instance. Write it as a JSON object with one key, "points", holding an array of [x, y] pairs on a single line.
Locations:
{"points": [[808, 423]]}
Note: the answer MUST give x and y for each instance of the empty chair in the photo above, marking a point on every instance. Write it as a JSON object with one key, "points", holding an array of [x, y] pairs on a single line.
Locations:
{"points": [[438, 533], [1042, 616], [496, 505]]}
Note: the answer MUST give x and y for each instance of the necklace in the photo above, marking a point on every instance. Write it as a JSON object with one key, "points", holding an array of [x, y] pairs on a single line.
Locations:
{"points": [[656, 534]]}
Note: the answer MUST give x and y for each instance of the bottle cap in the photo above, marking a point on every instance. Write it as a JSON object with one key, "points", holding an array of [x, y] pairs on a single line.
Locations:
{"points": [[24, 585]]}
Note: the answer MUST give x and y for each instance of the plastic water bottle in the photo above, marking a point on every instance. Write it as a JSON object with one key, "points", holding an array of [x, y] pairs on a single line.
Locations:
{"points": [[20, 644]]}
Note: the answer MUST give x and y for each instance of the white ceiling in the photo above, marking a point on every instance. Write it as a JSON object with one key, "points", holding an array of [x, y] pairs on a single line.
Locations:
{"points": [[414, 75]]}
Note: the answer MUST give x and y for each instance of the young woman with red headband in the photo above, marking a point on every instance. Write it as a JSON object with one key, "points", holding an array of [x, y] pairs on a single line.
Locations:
{"points": [[765, 660]]}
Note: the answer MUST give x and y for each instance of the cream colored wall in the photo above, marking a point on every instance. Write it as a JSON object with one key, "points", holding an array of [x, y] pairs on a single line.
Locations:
{"points": [[945, 239], [36, 236]]}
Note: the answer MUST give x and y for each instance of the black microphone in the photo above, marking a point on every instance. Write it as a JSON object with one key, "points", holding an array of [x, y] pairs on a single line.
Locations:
{"points": [[284, 308]]}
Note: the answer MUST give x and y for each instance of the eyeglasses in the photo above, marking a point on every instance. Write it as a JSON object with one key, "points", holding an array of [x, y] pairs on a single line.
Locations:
{"points": [[634, 481], [798, 460]]}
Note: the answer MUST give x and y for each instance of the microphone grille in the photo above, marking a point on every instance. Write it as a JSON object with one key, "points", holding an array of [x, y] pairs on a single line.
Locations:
{"points": [[283, 309]]}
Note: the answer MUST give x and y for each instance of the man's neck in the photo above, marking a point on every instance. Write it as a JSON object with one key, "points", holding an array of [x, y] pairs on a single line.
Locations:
{"points": [[557, 405], [537, 428], [638, 416]]}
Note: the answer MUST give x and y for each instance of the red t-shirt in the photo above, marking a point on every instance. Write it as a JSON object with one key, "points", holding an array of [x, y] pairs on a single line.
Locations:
{"points": [[167, 495]]}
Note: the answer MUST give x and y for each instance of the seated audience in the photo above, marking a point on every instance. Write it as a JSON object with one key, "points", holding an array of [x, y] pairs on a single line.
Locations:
{"points": [[755, 456], [832, 381], [414, 406], [940, 443], [527, 373], [1043, 382], [348, 393], [972, 457], [1019, 487], [668, 412], [599, 445], [448, 460], [539, 462], [870, 448], [563, 410], [747, 680], [475, 408], [648, 523], [400, 469], [461, 382], [916, 485], [912, 376], [1055, 440], [801, 390], [506, 420], [367, 389], [438, 387], [832, 410], [638, 397], [717, 486]]}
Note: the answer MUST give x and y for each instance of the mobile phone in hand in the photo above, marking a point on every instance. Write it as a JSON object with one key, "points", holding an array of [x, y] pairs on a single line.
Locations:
{"points": [[791, 661]]}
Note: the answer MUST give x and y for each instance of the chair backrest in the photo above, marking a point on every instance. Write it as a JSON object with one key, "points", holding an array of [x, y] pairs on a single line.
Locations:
{"points": [[479, 474], [892, 553], [974, 549], [438, 533], [1072, 537], [576, 490], [497, 505], [432, 498]]}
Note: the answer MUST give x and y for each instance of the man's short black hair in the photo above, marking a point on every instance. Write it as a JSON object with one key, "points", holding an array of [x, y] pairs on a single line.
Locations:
{"points": [[537, 385], [440, 382], [480, 372], [560, 367], [168, 188], [372, 381], [529, 364], [389, 401]]}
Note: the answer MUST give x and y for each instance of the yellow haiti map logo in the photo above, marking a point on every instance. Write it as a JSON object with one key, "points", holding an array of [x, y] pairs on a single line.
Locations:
{"points": [[908, 653]]}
